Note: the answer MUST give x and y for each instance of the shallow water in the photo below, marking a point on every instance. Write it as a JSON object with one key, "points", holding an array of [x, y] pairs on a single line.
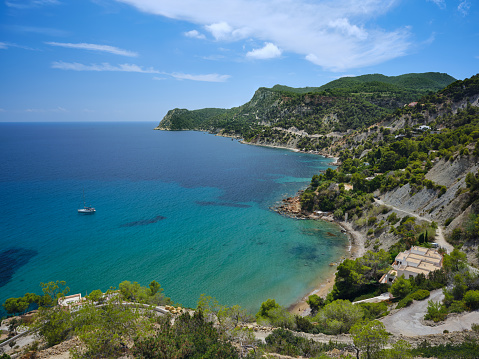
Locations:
{"points": [[187, 209]]}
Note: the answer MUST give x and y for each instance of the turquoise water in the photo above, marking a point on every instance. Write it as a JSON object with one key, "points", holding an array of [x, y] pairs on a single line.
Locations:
{"points": [[187, 209]]}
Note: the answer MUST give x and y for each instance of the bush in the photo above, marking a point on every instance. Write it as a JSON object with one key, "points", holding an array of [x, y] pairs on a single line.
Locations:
{"points": [[457, 306], [274, 314], [435, 311], [448, 221], [284, 342], [471, 299], [467, 349], [393, 218], [339, 316], [420, 294], [401, 287], [405, 302], [442, 190], [374, 310], [188, 337]]}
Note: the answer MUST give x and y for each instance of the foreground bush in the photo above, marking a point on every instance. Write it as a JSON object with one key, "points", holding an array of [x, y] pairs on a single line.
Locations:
{"points": [[468, 349], [284, 342], [188, 337]]}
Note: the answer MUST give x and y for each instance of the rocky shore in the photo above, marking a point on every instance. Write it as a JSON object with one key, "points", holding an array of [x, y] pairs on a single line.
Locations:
{"points": [[291, 207]]}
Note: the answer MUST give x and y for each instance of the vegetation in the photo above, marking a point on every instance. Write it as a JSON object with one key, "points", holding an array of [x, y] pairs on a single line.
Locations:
{"points": [[467, 349], [347, 103], [374, 159], [284, 342], [370, 337], [190, 336], [360, 276]]}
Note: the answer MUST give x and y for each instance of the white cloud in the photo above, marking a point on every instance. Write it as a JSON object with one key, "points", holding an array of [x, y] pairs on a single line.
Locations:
{"points": [[220, 30], [28, 4], [440, 3], [95, 47], [269, 51], [431, 39], [6, 45], [213, 57], [205, 78], [464, 7], [195, 34], [75, 66], [37, 30], [42, 110], [332, 34], [347, 29]]}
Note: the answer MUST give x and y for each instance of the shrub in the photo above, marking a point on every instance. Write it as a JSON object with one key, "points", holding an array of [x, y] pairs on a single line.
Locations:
{"points": [[374, 310], [442, 191], [284, 342], [420, 294], [471, 299], [372, 220], [457, 306], [393, 218], [405, 302], [435, 311], [189, 336], [448, 221], [339, 316], [401, 287], [475, 327]]}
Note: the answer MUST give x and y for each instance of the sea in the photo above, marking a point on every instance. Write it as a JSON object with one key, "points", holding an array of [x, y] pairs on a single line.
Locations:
{"points": [[188, 209]]}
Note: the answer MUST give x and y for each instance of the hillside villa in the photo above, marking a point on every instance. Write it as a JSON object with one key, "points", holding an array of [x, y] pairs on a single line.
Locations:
{"points": [[70, 301], [412, 262]]}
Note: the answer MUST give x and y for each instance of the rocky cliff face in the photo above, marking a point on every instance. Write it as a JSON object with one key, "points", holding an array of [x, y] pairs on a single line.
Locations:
{"points": [[167, 121]]}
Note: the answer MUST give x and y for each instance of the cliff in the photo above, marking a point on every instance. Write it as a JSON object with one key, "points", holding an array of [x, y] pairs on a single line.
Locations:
{"points": [[420, 162], [304, 118]]}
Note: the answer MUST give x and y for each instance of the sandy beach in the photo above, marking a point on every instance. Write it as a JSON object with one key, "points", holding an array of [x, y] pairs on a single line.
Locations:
{"points": [[357, 249]]}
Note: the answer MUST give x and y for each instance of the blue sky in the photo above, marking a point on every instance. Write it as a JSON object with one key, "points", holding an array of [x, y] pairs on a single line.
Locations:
{"points": [[133, 60]]}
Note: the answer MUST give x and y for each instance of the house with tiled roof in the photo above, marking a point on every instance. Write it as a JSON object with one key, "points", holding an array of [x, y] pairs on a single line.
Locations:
{"points": [[412, 262]]}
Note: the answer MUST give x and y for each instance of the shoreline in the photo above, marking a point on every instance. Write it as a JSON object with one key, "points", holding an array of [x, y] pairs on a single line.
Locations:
{"points": [[335, 161], [356, 249]]}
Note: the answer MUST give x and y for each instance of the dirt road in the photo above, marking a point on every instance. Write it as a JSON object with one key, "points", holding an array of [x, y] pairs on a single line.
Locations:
{"points": [[409, 321], [439, 239]]}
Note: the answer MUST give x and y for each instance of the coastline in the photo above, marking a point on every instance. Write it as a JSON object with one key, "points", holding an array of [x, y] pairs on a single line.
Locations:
{"points": [[357, 240], [335, 161], [292, 209], [356, 249]]}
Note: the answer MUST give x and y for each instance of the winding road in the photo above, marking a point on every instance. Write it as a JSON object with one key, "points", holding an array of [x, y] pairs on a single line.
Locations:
{"points": [[409, 321], [439, 239]]}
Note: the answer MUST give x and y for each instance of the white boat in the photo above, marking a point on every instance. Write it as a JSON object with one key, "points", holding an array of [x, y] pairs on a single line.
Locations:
{"points": [[86, 209]]}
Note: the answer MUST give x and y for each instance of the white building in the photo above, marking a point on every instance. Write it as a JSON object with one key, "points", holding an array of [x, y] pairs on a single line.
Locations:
{"points": [[70, 300], [412, 262]]}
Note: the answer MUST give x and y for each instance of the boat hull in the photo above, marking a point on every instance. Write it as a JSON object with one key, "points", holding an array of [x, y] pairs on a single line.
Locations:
{"points": [[88, 210]]}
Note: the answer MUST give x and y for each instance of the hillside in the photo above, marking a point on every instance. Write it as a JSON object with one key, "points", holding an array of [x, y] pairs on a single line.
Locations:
{"points": [[422, 162], [304, 118]]}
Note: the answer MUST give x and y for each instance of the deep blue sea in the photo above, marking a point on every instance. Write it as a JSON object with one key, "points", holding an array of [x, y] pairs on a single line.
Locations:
{"points": [[187, 209]]}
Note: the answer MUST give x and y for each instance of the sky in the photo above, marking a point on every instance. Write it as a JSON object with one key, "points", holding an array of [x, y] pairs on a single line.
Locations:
{"points": [[133, 60]]}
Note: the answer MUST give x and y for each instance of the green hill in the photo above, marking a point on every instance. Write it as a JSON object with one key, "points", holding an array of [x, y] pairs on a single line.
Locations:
{"points": [[341, 105]]}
